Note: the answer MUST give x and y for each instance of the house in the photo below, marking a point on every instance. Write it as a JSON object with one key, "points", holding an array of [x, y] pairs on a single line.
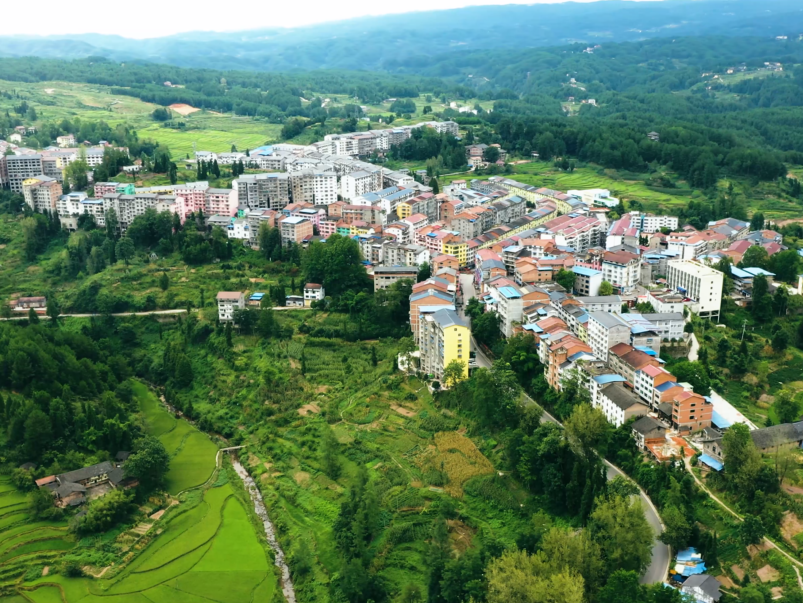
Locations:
{"points": [[294, 301], [313, 292], [385, 276], [785, 435], [618, 403], [25, 303], [295, 229], [443, 338], [647, 430], [227, 303], [70, 489], [702, 587]]}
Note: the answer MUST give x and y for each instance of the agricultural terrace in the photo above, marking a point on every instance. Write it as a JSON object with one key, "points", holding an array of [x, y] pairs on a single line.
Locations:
{"points": [[282, 397]]}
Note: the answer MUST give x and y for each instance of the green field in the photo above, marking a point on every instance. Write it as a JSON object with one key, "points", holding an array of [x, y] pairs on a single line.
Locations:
{"points": [[192, 452], [204, 130]]}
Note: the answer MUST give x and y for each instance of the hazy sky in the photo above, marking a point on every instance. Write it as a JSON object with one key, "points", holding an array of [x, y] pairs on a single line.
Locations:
{"points": [[154, 18]]}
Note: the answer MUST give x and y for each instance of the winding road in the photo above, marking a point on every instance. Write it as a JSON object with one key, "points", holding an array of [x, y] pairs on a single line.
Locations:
{"points": [[661, 554]]}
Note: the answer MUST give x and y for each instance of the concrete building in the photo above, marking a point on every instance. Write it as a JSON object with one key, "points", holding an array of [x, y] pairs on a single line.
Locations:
{"points": [[605, 330], [621, 269], [619, 404], [19, 168], [701, 283], [428, 300], [41, 193], [227, 303], [691, 412], [295, 229], [443, 338], [263, 191], [315, 187], [601, 303], [356, 184], [313, 292], [385, 276], [399, 254], [586, 281], [648, 223]]}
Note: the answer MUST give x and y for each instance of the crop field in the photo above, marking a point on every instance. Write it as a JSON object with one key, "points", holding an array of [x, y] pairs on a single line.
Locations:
{"points": [[192, 452], [203, 130], [206, 552]]}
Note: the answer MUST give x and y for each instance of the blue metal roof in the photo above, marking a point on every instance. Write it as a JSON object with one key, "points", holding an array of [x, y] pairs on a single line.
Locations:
{"points": [[605, 379], [646, 350], [757, 271], [585, 271], [711, 462], [257, 296], [509, 292], [719, 421], [739, 273], [665, 386]]}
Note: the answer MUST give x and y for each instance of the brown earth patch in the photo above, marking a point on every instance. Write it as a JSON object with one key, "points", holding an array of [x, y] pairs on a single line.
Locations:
{"points": [[46, 570], [777, 592], [295, 363], [309, 408], [793, 489], [738, 572], [158, 515], [757, 549], [183, 109], [301, 477], [403, 411], [257, 280], [460, 534], [726, 582], [322, 389], [791, 526], [768, 574]]}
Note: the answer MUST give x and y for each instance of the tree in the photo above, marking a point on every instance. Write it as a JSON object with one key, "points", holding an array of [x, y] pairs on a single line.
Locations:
{"points": [[752, 529], [694, 373], [761, 305], [787, 408], [40, 504], [424, 272], [586, 428], [76, 174], [266, 325], [757, 221], [454, 372], [53, 309], [149, 463], [33, 317], [164, 281], [112, 225], [160, 114], [523, 578], [620, 528], [742, 458], [330, 462], [436, 189], [184, 374], [678, 530], [38, 433], [781, 340], [565, 278], [755, 257], [605, 288], [491, 154], [124, 249]]}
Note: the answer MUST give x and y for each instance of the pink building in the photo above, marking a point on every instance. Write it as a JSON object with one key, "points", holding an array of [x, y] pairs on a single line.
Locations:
{"points": [[191, 198], [105, 188], [220, 202], [327, 228]]}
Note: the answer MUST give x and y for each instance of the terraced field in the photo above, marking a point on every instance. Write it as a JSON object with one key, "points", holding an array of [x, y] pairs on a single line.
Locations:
{"points": [[192, 452], [205, 549]]}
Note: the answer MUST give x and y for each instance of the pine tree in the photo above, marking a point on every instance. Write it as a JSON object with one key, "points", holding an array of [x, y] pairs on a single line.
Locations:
{"points": [[227, 332], [374, 359]]}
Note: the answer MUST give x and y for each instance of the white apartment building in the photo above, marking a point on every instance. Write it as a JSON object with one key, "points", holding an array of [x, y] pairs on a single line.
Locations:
{"points": [[686, 247], [227, 303], [317, 188], [605, 330], [648, 223], [621, 269], [699, 282], [618, 403], [595, 196], [401, 254], [263, 191], [510, 307], [601, 303], [357, 184], [666, 301]]}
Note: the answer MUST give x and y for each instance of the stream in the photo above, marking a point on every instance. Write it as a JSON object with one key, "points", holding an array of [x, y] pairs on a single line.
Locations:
{"points": [[270, 532]]}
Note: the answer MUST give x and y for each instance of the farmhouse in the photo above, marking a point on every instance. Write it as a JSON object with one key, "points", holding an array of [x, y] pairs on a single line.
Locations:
{"points": [[74, 487]]}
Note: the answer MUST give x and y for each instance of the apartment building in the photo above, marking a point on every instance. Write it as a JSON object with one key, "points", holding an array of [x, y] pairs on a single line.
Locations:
{"points": [[41, 193], [578, 232], [263, 191], [564, 353], [315, 187], [220, 201], [19, 168], [621, 269], [626, 360], [650, 382], [648, 223], [699, 282], [444, 338], [691, 412], [401, 254], [356, 184], [605, 330], [385, 276], [227, 303], [295, 229], [601, 303], [686, 245], [619, 403], [66, 141], [425, 301], [586, 281]]}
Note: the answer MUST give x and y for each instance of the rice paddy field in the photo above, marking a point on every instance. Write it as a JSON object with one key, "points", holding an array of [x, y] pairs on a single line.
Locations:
{"points": [[204, 130], [207, 547]]}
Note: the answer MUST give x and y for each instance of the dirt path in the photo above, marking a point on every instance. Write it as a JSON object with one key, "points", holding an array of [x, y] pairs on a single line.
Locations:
{"points": [[795, 562]]}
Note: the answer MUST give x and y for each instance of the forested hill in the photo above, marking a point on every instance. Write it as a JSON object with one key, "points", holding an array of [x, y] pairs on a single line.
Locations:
{"points": [[378, 43]]}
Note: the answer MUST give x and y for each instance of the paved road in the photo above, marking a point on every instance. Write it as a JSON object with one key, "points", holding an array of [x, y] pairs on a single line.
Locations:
{"points": [[24, 316], [661, 553]]}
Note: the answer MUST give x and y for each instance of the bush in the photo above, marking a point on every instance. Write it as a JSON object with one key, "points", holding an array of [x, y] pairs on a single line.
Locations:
{"points": [[103, 513], [22, 480]]}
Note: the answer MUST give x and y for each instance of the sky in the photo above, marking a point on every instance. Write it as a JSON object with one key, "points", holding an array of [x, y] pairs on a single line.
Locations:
{"points": [[156, 18]]}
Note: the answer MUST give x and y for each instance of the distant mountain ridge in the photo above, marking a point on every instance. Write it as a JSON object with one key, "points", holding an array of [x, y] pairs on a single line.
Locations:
{"points": [[384, 43]]}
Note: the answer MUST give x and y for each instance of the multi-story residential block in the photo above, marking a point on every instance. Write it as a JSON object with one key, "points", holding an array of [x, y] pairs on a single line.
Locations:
{"points": [[621, 269], [19, 168], [385, 276], [317, 188], [427, 300], [220, 201], [626, 360], [619, 404], [586, 281], [444, 338], [691, 412], [227, 303], [263, 191], [601, 303], [444, 261], [41, 193], [358, 183], [699, 282], [621, 232], [456, 248], [295, 229], [401, 254], [564, 354], [686, 245], [578, 232], [648, 223], [595, 196], [66, 141], [666, 301], [648, 432], [650, 383], [605, 330]]}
